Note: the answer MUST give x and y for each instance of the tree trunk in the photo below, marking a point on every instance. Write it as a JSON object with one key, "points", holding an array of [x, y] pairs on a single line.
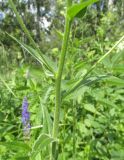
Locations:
{"points": [[38, 4]]}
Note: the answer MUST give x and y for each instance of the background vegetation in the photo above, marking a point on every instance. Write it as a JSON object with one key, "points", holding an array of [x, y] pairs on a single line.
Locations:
{"points": [[91, 115]]}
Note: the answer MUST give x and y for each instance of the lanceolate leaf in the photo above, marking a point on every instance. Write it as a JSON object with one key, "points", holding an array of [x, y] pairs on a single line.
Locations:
{"points": [[22, 25], [35, 53], [78, 10], [84, 82], [42, 141]]}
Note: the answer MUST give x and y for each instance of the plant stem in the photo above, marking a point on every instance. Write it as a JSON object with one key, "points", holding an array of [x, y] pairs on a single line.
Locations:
{"points": [[58, 83]]}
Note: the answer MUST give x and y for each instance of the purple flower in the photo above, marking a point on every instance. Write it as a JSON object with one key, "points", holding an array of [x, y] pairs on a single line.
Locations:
{"points": [[25, 117]]}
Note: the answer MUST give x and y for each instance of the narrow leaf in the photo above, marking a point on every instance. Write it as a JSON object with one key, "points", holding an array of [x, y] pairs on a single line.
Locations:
{"points": [[20, 21], [84, 82], [34, 52]]}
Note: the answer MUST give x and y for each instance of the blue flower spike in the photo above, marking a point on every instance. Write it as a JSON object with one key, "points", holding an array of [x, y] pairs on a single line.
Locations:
{"points": [[26, 119]]}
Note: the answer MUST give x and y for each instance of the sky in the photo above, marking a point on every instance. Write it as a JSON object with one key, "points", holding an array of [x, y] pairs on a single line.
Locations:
{"points": [[43, 23]]}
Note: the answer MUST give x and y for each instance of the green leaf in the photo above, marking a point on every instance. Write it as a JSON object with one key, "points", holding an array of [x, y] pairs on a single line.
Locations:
{"points": [[81, 13], [106, 102], [42, 141], [119, 68], [20, 158], [22, 25], [35, 53], [4, 130], [47, 122], [18, 146], [115, 81], [78, 10], [83, 82], [91, 108]]}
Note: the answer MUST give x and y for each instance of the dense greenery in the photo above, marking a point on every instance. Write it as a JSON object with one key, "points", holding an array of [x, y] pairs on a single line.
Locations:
{"points": [[76, 104]]}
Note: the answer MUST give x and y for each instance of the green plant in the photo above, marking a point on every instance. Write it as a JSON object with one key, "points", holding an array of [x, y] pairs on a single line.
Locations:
{"points": [[48, 137]]}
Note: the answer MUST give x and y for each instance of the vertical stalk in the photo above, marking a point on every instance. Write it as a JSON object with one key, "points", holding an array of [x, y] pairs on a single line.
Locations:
{"points": [[58, 82]]}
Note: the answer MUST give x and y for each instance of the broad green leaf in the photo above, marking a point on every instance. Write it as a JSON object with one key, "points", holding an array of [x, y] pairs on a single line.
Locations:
{"points": [[42, 141], [78, 10]]}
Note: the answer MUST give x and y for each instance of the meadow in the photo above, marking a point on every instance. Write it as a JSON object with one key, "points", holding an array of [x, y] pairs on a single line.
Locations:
{"points": [[62, 80]]}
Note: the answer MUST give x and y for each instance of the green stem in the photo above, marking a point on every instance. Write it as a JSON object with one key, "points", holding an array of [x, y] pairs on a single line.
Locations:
{"points": [[59, 76], [58, 82]]}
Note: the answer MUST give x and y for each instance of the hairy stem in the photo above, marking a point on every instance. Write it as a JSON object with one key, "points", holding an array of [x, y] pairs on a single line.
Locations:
{"points": [[58, 83]]}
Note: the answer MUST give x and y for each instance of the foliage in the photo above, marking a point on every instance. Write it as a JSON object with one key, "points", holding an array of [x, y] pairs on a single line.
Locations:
{"points": [[91, 116]]}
